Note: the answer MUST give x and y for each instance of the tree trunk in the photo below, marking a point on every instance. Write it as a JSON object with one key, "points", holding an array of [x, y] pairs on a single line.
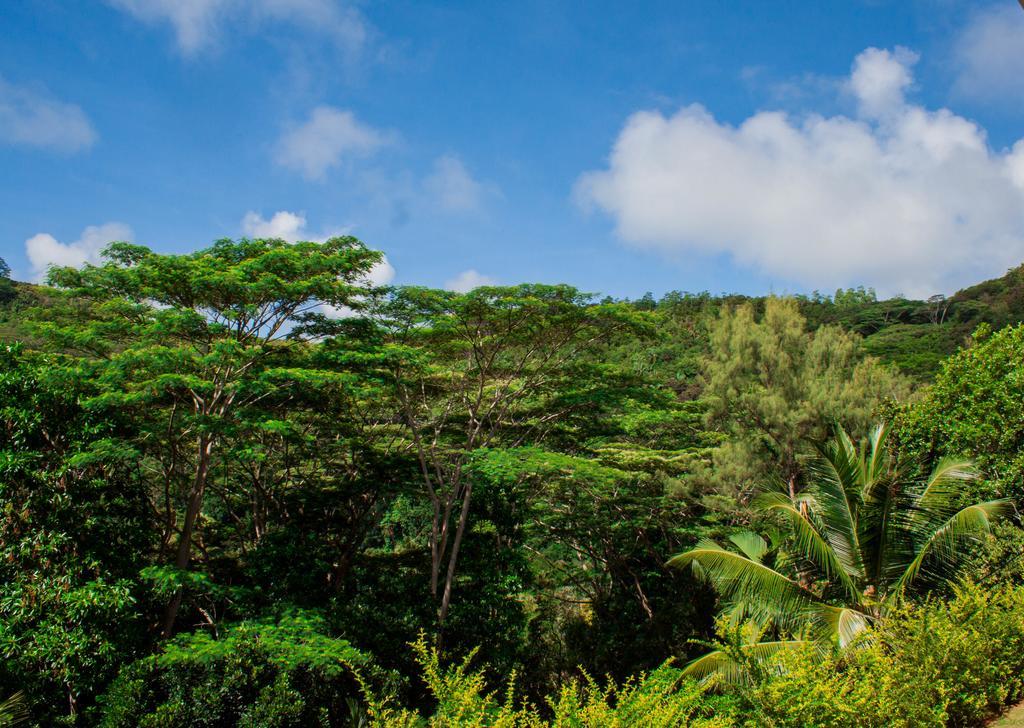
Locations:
{"points": [[192, 511], [442, 613]]}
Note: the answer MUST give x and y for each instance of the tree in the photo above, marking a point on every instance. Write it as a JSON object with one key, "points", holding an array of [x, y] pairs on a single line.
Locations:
{"points": [[974, 407], [862, 534], [74, 532], [598, 538], [493, 367], [189, 341], [7, 291], [774, 386]]}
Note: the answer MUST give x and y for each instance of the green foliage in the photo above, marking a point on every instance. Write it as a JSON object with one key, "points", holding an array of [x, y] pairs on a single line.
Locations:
{"points": [[283, 672], [13, 710], [599, 537], [935, 664], [915, 350], [7, 290], [863, 533], [498, 366], [774, 387], [661, 699], [974, 409], [211, 447], [73, 529], [851, 297], [203, 349]]}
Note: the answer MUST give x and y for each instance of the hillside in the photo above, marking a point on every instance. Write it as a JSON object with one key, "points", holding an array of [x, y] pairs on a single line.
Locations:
{"points": [[913, 335]]}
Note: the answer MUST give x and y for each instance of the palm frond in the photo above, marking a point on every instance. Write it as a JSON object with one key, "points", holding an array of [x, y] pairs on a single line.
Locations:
{"points": [[13, 710], [943, 544], [735, 669], [835, 485], [849, 626], [820, 550], [766, 592], [750, 544], [944, 486], [877, 461]]}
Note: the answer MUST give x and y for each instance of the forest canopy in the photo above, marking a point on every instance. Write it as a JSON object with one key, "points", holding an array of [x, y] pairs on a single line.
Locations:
{"points": [[247, 486]]}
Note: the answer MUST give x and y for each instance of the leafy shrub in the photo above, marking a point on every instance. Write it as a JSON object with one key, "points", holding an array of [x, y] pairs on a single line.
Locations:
{"points": [[270, 673], [659, 699], [936, 664], [970, 650]]}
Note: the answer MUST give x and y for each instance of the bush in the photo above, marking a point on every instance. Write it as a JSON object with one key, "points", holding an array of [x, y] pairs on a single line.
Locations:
{"points": [[271, 673], [661, 699], [936, 664]]}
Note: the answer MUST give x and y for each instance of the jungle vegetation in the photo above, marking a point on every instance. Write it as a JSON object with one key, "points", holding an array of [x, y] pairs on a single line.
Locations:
{"points": [[244, 486]]}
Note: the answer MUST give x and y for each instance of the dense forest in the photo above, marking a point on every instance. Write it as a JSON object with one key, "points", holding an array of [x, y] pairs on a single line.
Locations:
{"points": [[246, 487]]}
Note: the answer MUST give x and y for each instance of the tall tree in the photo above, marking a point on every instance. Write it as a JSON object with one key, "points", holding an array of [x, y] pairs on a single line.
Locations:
{"points": [[774, 386], [188, 341], [7, 291], [493, 367]]}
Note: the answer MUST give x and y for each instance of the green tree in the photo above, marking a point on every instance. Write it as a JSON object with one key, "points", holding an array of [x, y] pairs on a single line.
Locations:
{"points": [[190, 341], [7, 291], [774, 386], [862, 534], [974, 408], [598, 538], [75, 528], [493, 367]]}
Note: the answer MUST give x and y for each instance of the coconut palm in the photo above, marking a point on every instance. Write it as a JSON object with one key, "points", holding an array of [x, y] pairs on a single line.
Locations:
{"points": [[862, 533], [13, 710]]}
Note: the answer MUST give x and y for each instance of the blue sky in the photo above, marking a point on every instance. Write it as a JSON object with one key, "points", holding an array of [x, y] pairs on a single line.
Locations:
{"points": [[620, 147]]}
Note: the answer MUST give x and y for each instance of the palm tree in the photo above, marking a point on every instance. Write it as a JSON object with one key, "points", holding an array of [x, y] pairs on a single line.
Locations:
{"points": [[862, 533], [13, 710]]}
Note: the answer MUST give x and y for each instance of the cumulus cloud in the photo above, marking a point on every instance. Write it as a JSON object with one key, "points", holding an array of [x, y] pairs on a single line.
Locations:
{"points": [[286, 225], [325, 140], [880, 80], [451, 187], [904, 198], [199, 24], [467, 280], [30, 117], [989, 55], [43, 250]]}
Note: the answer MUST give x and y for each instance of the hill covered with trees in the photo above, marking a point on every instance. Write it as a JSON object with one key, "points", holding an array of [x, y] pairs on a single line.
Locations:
{"points": [[245, 486]]}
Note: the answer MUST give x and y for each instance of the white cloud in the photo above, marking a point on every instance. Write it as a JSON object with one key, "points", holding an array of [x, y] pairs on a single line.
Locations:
{"points": [[286, 225], [906, 199], [43, 250], [325, 140], [451, 186], [467, 280], [199, 24], [989, 55], [30, 117], [880, 80]]}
